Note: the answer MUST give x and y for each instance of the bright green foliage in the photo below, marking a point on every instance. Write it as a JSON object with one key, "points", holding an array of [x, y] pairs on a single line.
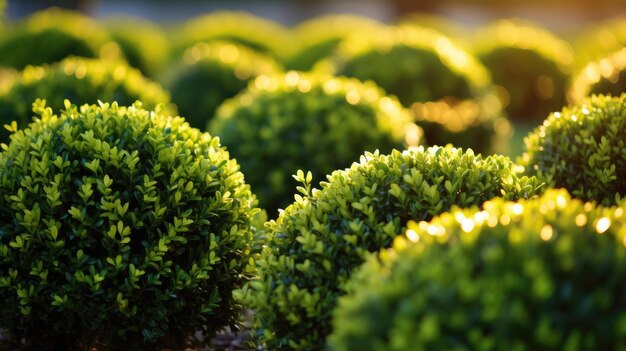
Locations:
{"points": [[211, 73], [317, 241], [51, 35], [583, 149], [254, 32], [84, 81], [142, 42], [319, 37], [600, 41], [531, 64], [606, 76], [543, 274], [316, 123], [118, 226], [447, 88]]}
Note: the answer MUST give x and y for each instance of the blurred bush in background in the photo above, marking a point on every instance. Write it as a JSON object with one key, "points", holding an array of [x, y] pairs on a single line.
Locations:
{"points": [[448, 90], [81, 80], [530, 64], [143, 43], [52, 35], [210, 73]]}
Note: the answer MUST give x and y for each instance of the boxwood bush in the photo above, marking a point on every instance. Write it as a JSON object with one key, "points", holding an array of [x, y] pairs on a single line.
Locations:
{"points": [[319, 37], [143, 43], [256, 33], [544, 274], [605, 76], [531, 64], [209, 74], [51, 35], [296, 121], [79, 79], [447, 88], [119, 227], [321, 238], [581, 149]]}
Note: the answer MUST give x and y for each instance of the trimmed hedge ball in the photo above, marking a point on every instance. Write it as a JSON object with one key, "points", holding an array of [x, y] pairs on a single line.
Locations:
{"points": [[447, 89], [84, 81], [606, 76], [51, 35], [543, 274], [319, 37], [318, 241], [529, 63], [296, 121], [143, 43], [119, 228], [583, 149], [257, 33], [211, 73]]}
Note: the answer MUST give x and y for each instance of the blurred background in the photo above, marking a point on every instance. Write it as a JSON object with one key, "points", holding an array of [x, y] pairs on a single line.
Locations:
{"points": [[560, 15]]}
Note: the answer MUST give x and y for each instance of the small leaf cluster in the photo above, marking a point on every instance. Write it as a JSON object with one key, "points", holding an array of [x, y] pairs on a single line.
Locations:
{"points": [[605, 76], [318, 241], [583, 149], [317, 123], [448, 90], [319, 37], [211, 73], [84, 81], [119, 226], [256, 33], [529, 62], [51, 35], [143, 43], [542, 274]]}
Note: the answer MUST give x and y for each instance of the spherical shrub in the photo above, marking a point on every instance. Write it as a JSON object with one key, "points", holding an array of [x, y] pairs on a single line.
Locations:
{"points": [[209, 74], [316, 123], [319, 37], [317, 241], [257, 33], [81, 80], [119, 227], [143, 43], [531, 64], [544, 274], [51, 35], [448, 89], [606, 76], [581, 149]]}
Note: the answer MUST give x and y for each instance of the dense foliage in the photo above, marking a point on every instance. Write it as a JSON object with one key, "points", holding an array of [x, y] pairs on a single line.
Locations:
{"points": [[209, 74], [317, 241], [84, 81], [51, 35], [544, 274], [446, 87], [316, 123], [531, 64], [118, 227], [583, 149]]}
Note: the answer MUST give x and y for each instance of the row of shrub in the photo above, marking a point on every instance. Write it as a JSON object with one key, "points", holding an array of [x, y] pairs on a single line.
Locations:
{"points": [[534, 71], [125, 227], [122, 226], [445, 89]]}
